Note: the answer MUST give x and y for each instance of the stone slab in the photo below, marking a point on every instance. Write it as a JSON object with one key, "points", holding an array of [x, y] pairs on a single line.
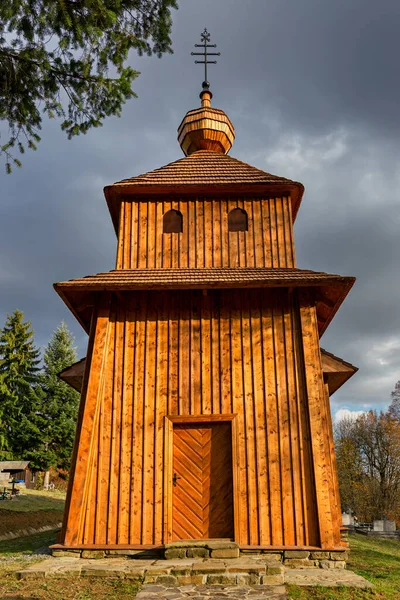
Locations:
{"points": [[206, 592], [177, 574], [326, 578]]}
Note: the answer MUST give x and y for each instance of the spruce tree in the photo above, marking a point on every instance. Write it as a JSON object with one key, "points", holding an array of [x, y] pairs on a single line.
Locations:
{"points": [[70, 59], [60, 403], [20, 393]]}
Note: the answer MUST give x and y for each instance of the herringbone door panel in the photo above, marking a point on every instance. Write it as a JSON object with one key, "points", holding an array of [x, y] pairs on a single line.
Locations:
{"points": [[202, 497]]}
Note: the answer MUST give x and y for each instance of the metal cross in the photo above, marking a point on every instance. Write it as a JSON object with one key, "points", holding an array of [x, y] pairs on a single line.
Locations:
{"points": [[205, 38]]}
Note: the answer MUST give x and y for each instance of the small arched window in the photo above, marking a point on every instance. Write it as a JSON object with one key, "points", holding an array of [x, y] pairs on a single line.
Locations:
{"points": [[237, 220], [173, 222]]}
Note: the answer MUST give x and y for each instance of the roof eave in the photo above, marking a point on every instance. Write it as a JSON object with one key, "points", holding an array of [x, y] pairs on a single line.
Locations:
{"points": [[338, 288]]}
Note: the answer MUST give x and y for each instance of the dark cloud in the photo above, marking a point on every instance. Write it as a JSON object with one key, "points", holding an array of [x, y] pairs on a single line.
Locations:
{"points": [[313, 92]]}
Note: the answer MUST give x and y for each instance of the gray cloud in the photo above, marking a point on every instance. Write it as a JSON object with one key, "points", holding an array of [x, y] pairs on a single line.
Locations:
{"points": [[313, 92]]}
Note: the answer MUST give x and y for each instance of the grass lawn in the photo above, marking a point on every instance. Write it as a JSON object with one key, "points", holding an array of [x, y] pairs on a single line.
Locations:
{"points": [[31, 509], [34, 500], [377, 560]]}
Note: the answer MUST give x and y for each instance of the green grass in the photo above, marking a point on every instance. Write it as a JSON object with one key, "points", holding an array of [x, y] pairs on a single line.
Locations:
{"points": [[33, 500], [27, 545], [376, 560]]}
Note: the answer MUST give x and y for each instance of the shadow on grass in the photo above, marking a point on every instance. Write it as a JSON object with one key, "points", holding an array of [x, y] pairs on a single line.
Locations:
{"points": [[19, 597], [32, 544]]}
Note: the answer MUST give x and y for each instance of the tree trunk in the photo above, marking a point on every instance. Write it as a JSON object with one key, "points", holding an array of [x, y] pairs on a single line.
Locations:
{"points": [[46, 480]]}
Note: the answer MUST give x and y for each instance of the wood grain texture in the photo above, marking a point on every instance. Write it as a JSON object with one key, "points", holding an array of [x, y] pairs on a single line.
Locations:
{"points": [[202, 496], [183, 354], [205, 240]]}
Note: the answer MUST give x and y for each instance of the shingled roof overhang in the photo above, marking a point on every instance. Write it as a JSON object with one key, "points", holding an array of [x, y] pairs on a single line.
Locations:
{"points": [[329, 290], [202, 173], [336, 370]]}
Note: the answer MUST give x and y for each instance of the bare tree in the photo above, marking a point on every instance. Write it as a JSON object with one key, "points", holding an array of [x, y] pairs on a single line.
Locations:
{"points": [[368, 457]]}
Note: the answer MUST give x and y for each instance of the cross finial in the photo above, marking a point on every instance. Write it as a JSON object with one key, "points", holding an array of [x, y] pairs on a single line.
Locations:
{"points": [[205, 38]]}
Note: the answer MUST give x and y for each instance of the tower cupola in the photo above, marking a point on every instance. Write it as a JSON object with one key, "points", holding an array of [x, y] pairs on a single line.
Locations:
{"points": [[206, 128]]}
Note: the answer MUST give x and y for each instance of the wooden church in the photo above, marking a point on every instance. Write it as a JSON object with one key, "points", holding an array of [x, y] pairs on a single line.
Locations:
{"points": [[205, 396]]}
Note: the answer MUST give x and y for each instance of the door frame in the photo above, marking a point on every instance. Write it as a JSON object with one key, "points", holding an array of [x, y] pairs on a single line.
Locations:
{"points": [[168, 465]]}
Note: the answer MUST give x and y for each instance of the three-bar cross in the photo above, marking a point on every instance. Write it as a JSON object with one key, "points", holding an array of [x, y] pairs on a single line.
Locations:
{"points": [[205, 38]]}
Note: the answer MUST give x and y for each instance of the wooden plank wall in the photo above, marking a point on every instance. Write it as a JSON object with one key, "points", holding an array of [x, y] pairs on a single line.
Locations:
{"points": [[205, 240], [186, 353]]}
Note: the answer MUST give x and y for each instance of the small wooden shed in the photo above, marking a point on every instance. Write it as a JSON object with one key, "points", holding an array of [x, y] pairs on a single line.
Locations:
{"points": [[205, 397], [18, 470]]}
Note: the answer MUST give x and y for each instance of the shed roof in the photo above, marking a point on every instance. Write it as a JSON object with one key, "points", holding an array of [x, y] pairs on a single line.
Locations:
{"points": [[80, 294], [203, 172], [13, 465]]}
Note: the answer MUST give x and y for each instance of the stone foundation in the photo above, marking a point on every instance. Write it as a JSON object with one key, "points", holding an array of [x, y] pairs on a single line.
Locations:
{"points": [[210, 554]]}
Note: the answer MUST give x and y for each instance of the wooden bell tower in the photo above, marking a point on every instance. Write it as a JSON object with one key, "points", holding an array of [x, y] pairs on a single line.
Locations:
{"points": [[205, 395]]}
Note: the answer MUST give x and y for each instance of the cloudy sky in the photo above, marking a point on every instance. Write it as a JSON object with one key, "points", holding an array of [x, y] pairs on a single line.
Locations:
{"points": [[313, 90]]}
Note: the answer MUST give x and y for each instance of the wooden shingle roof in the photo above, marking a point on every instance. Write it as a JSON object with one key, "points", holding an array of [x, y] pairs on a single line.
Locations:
{"points": [[329, 290], [204, 167], [203, 172]]}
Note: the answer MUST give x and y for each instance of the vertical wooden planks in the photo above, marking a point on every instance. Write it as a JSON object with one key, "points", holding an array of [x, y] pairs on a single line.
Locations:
{"points": [[225, 352], [260, 419], [185, 241], [200, 238], [206, 354], [151, 241], [166, 240], [250, 235], [296, 536], [126, 417], [121, 238], [216, 369], [224, 233], [191, 231], [115, 442], [158, 235], [281, 358], [195, 356], [184, 356], [208, 234], [310, 530], [104, 454], [149, 389], [331, 456], [205, 240], [173, 354], [175, 242], [272, 424], [160, 410], [248, 410], [258, 234], [315, 394], [215, 232], [280, 233], [238, 408], [232, 352], [135, 233], [233, 238], [266, 233], [137, 442]]}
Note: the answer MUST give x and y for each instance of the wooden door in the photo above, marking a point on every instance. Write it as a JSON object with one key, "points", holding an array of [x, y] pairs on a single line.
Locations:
{"points": [[202, 502]]}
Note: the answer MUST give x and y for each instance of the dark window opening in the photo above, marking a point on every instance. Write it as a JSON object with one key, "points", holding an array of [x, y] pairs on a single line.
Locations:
{"points": [[237, 220], [173, 222]]}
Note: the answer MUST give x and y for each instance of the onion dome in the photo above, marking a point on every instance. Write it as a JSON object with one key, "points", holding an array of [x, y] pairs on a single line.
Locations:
{"points": [[206, 128]]}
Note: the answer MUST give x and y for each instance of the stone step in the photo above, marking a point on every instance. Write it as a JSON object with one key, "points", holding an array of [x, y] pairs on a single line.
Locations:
{"points": [[163, 572], [202, 549]]}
